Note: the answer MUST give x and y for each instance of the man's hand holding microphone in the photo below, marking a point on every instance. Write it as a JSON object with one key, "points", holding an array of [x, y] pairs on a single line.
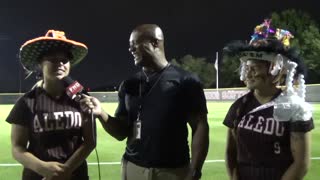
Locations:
{"points": [[91, 105]]}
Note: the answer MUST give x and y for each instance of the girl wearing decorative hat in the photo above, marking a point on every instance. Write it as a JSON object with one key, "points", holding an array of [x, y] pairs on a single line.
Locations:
{"points": [[268, 136], [50, 135]]}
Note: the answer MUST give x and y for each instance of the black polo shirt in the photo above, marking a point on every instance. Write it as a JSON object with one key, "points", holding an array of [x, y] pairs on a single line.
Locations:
{"points": [[167, 100]]}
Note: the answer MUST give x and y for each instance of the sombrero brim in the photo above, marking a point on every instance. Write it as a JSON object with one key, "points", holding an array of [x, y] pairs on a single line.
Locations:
{"points": [[31, 51], [235, 49], [258, 55]]}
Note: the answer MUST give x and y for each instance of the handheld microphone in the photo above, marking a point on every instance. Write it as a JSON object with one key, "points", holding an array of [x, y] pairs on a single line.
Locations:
{"points": [[75, 91], [73, 88]]}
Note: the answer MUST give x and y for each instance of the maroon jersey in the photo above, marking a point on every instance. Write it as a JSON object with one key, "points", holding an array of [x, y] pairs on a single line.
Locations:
{"points": [[55, 125], [263, 143]]}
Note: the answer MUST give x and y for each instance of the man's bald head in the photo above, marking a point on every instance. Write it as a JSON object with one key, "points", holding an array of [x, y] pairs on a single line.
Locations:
{"points": [[149, 31], [147, 46]]}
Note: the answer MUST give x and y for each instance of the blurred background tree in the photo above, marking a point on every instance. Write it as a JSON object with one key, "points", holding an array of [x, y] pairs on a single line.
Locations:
{"points": [[306, 38], [229, 73], [198, 66]]}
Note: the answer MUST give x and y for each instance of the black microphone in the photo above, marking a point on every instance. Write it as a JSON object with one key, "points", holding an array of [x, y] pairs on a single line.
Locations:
{"points": [[75, 91], [73, 88]]}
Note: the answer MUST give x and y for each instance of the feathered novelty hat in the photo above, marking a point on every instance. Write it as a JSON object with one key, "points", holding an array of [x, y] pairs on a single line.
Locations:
{"points": [[272, 45], [32, 50]]}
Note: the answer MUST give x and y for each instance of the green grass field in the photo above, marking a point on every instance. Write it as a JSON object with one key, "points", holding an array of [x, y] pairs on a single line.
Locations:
{"points": [[110, 150]]}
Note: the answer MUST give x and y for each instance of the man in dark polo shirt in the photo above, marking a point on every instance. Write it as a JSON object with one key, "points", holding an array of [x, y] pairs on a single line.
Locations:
{"points": [[155, 106]]}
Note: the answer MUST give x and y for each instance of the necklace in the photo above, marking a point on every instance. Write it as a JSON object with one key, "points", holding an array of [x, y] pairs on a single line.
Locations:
{"points": [[152, 74], [148, 79], [149, 92]]}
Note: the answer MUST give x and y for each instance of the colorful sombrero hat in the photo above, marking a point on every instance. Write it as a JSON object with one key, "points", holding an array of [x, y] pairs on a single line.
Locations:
{"points": [[32, 50], [272, 45]]}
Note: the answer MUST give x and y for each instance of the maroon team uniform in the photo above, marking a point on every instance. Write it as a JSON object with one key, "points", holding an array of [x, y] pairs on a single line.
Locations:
{"points": [[263, 142], [54, 128]]}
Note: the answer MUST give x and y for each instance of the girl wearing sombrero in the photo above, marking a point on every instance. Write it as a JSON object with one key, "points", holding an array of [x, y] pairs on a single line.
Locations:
{"points": [[50, 135], [268, 136]]}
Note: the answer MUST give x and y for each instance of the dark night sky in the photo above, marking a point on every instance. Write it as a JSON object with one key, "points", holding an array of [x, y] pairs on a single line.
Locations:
{"points": [[197, 27]]}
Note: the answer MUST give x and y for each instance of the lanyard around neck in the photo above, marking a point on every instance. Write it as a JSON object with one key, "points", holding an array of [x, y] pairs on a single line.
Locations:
{"points": [[154, 84], [151, 89]]}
